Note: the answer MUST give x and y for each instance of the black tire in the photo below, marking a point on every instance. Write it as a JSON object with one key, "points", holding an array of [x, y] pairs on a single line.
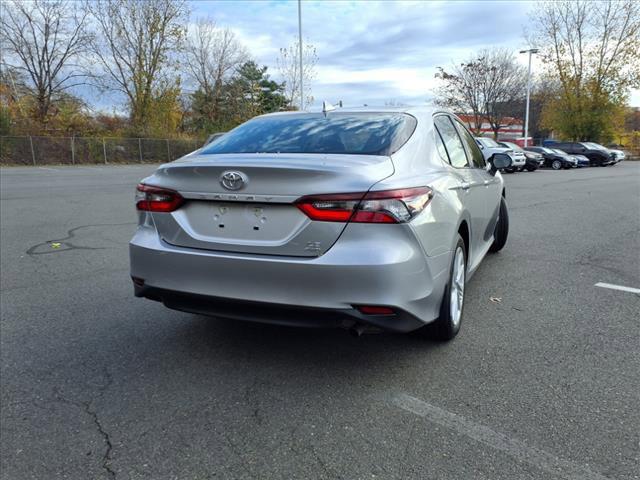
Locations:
{"points": [[509, 170], [556, 164], [501, 232], [531, 169], [444, 328]]}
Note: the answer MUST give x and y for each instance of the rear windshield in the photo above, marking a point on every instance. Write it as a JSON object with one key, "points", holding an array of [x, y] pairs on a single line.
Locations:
{"points": [[488, 142], [512, 146], [340, 133], [594, 146]]}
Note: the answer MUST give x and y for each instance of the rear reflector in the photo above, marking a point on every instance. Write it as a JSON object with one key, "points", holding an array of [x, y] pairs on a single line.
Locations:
{"points": [[156, 199], [388, 206], [374, 310]]}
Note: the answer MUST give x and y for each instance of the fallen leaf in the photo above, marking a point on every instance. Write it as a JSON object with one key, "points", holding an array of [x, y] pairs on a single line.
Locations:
{"points": [[495, 299]]}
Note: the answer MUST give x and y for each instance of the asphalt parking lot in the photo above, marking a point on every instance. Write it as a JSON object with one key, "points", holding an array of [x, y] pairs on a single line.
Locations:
{"points": [[542, 384]]}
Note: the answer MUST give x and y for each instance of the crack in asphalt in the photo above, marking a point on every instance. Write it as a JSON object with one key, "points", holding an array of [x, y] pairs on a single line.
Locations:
{"points": [[86, 406], [70, 234], [106, 457]]}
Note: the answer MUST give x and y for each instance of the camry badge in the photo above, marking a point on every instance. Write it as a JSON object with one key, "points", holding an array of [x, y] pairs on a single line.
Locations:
{"points": [[233, 180]]}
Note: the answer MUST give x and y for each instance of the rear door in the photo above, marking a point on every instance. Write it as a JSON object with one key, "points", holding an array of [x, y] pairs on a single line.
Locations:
{"points": [[470, 186], [245, 202], [492, 187]]}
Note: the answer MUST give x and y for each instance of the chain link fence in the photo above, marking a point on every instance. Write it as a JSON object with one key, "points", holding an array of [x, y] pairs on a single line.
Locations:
{"points": [[36, 150]]}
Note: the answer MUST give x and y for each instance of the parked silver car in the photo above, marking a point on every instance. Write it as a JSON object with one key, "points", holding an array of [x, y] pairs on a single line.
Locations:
{"points": [[490, 147], [354, 218]]}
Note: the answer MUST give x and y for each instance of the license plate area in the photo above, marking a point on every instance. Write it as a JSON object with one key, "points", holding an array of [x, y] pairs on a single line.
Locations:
{"points": [[242, 223]]}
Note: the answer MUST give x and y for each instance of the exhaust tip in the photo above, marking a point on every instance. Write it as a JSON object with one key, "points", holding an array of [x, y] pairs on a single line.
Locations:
{"points": [[356, 331]]}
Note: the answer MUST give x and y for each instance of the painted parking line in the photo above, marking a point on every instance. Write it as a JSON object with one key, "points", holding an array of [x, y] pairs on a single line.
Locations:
{"points": [[617, 287], [513, 447]]}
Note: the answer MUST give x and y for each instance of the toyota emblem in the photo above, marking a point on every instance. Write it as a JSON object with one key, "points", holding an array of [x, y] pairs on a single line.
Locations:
{"points": [[233, 180]]}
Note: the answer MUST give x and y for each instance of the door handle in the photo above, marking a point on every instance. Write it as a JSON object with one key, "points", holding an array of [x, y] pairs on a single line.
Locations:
{"points": [[465, 185]]}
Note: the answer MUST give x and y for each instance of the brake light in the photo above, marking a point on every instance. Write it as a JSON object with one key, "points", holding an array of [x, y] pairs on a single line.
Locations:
{"points": [[156, 199], [387, 206]]}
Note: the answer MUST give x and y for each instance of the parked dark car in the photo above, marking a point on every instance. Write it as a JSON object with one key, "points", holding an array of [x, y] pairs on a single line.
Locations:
{"points": [[533, 160], [597, 154], [570, 158], [582, 160], [554, 159]]}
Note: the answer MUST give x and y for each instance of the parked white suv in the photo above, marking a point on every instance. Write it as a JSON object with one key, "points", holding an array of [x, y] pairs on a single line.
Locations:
{"points": [[489, 146]]}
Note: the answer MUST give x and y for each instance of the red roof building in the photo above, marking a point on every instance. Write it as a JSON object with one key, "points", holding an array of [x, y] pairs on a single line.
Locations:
{"points": [[510, 127]]}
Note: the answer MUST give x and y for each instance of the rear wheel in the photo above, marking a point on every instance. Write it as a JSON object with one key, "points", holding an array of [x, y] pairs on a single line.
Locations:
{"points": [[531, 169], [501, 231], [448, 323]]}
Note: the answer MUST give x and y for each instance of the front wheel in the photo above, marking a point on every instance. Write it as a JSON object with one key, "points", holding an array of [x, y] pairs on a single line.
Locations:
{"points": [[501, 231], [556, 165], [447, 326]]}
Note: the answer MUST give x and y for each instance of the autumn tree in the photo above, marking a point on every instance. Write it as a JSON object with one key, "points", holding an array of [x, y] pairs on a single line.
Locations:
{"points": [[288, 64], [593, 50], [44, 40], [137, 48]]}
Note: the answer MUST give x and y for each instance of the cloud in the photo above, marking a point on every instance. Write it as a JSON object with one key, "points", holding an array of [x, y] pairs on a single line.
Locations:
{"points": [[372, 51]]}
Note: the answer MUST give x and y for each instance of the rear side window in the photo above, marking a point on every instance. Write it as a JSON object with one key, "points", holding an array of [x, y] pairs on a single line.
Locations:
{"points": [[337, 133], [452, 142], [472, 147], [440, 147]]}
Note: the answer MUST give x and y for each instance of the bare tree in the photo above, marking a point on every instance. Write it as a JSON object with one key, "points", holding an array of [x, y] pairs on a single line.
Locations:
{"points": [[485, 86], [44, 40], [593, 48], [213, 55], [137, 48], [503, 83], [461, 90], [288, 64]]}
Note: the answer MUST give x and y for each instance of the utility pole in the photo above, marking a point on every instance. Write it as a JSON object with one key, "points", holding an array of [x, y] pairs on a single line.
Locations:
{"points": [[300, 52], [531, 51]]}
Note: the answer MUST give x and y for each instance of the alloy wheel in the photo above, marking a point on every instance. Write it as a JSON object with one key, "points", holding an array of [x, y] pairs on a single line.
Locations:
{"points": [[457, 287]]}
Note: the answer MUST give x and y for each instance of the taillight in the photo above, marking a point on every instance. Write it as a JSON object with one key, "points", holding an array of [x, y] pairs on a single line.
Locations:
{"points": [[156, 199], [388, 206]]}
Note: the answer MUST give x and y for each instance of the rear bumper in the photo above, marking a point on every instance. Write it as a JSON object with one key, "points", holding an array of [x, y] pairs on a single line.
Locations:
{"points": [[288, 315], [388, 269]]}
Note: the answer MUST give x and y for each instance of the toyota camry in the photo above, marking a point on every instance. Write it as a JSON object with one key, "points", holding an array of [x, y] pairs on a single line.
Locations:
{"points": [[364, 219]]}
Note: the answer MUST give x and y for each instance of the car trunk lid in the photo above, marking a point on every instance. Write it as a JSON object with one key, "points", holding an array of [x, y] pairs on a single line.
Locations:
{"points": [[260, 216]]}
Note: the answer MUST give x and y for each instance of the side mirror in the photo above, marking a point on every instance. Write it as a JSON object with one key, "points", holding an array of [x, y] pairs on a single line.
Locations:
{"points": [[499, 161]]}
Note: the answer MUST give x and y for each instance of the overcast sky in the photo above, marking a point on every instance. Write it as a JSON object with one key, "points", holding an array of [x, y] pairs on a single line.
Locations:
{"points": [[375, 51]]}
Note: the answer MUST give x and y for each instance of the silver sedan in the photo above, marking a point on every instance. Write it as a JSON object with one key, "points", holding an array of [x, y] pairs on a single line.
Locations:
{"points": [[364, 219]]}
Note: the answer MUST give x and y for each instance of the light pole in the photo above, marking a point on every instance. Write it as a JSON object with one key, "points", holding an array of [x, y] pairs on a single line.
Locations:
{"points": [[531, 51], [300, 51]]}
